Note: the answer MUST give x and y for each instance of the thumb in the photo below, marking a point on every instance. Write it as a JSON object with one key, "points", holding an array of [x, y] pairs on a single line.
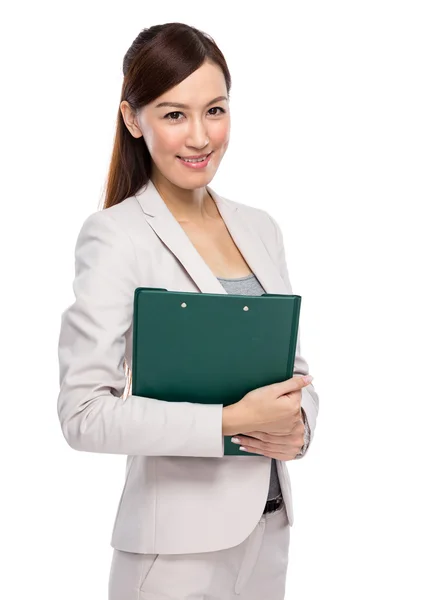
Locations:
{"points": [[296, 382]]}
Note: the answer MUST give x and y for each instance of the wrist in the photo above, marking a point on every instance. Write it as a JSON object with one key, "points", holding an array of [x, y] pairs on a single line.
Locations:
{"points": [[231, 420]]}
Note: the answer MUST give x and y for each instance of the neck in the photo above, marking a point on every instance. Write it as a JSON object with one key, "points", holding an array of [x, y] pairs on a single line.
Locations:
{"points": [[194, 205]]}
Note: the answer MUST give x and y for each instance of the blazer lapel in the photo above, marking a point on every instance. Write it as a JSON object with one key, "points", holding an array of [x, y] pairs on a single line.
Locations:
{"points": [[175, 238]]}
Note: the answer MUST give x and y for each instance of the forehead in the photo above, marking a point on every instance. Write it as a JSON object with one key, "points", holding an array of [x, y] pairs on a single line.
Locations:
{"points": [[198, 89]]}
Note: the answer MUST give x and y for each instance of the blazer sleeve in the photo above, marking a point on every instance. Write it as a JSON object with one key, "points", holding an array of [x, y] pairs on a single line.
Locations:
{"points": [[310, 399], [93, 414], [306, 437]]}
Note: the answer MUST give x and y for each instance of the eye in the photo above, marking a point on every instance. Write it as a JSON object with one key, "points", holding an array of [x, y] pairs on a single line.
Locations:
{"points": [[217, 108], [168, 117], [172, 113]]}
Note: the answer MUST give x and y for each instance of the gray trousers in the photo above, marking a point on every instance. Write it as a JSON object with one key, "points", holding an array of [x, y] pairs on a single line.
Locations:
{"points": [[254, 569]]}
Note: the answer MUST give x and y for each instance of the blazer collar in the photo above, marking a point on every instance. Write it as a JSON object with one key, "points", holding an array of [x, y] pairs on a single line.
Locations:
{"points": [[165, 225]]}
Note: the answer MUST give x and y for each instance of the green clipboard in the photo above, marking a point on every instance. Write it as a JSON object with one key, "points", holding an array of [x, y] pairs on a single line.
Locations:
{"points": [[211, 348]]}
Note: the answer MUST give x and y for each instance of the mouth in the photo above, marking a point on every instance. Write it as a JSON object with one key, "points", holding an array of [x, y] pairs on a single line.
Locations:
{"points": [[196, 156], [196, 162]]}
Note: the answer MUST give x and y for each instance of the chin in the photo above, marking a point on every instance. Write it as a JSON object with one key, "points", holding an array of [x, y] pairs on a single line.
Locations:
{"points": [[192, 180], [198, 183]]}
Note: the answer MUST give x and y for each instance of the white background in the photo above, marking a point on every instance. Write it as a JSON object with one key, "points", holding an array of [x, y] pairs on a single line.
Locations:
{"points": [[330, 136]]}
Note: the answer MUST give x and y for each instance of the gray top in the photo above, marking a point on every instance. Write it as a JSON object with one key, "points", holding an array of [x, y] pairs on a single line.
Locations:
{"points": [[250, 286]]}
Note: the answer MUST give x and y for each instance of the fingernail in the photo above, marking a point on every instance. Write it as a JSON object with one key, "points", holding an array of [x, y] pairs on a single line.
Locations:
{"points": [[236, 440], [242, 448], [307, 378]]}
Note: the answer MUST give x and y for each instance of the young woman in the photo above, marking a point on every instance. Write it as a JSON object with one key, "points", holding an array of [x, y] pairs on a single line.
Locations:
{"points": [[191, 523]]}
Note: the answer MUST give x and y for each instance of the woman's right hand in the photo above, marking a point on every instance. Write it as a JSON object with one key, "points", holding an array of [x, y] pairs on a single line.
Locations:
{"points": [[273, 408]]}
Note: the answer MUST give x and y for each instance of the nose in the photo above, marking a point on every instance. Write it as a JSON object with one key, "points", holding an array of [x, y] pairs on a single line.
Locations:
{"points": [[197, 136]]}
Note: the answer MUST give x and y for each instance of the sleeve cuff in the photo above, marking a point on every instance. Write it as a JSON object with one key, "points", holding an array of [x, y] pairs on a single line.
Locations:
{"points": [[307, 436]]}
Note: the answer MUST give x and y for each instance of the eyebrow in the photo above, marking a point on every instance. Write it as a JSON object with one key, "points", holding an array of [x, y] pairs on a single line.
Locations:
{"points": [[179, 105]]}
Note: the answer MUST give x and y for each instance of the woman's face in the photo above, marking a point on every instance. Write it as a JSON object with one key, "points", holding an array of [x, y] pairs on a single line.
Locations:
{"points": [[200, 127]]}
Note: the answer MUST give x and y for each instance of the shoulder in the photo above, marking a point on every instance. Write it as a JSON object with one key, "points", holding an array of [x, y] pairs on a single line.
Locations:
{"points": [[105, 232], [119, 215], [112, 221]]}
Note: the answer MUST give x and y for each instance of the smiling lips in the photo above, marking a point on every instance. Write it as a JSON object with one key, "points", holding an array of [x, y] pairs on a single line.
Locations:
{"points": [[196, 155], [196, 162]]}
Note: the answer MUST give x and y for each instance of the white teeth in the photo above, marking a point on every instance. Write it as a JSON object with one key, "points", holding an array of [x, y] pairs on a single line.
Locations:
{"points": [[194, 160]]}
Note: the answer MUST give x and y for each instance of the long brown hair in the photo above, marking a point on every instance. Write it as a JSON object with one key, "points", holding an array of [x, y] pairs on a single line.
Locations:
{"points": [[158, 59]]}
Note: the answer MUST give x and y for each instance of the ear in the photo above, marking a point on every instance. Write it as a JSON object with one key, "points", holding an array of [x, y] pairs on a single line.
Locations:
{"points": [[130, 119]]}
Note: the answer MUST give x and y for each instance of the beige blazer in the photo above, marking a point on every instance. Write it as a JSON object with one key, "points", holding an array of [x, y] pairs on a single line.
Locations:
{"points": [[180, 495]]}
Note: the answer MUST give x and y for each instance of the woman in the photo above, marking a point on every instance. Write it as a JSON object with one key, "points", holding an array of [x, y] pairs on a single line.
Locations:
{"points": [[191, 523]]}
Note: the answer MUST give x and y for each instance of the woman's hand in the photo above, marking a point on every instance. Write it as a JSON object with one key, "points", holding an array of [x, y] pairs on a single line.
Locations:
{"points": [[273, 408], [274, 445]]}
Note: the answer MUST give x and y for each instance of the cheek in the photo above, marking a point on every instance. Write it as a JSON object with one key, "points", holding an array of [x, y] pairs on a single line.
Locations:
{"points": [[165, 141], [220, 135]]}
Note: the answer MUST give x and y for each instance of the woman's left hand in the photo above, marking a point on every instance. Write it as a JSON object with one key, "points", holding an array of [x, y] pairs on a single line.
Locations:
{"points": [[272, 445]]}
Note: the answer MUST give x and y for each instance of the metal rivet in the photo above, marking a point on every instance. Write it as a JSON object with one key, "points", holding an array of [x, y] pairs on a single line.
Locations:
{"points": [[183, 304], [246, 308]]}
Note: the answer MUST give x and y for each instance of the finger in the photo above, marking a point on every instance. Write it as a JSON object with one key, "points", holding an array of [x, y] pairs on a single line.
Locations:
{"points": [[253, 443], [259, 435], [249, 449], [262, 445], [291, 385], [247, 441], [266, 436], [269, 454]]}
